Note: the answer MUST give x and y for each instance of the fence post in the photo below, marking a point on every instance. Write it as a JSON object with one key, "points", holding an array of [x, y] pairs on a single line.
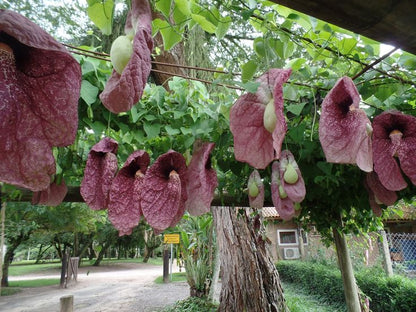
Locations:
{"points": [[386, 254], [67, 303]]}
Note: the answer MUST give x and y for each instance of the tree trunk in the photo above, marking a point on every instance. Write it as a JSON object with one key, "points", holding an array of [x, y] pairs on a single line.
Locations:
{"points": [[345, 265], [250, 281], [8, 258], [101, 254], [3, 219]]}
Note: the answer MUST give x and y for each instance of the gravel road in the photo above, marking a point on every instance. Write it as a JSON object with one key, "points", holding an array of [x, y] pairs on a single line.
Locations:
{"points": [[125, 287]]}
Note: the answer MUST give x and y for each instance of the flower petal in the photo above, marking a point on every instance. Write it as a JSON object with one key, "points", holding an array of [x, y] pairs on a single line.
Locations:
{"points": [[381, 194], [296, 191], [99, 173], [343, 127], [257, 201], [164, 191], [202, 180], [124, 205], [52, 196], [394, 135], [123, 91], [39, 87], [284, 206], [253, 143]]}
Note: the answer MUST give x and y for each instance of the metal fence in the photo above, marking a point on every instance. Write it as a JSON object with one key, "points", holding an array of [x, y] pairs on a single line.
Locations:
{"points": [[402, 248]]}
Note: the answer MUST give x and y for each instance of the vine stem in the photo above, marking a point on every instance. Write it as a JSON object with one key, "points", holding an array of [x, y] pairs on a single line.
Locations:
{"points": [[371, 65]]}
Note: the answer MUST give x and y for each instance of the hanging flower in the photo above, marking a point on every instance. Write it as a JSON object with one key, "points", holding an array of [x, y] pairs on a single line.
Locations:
{"points": [[291, 177], [283, 204], [344, 129], [257, 121], [164, 191], [99, 173], [51, 196], [202, 180], [255, 190], [39, 88], [394, 141], [131, 60], [124, 209], [377, 193]]}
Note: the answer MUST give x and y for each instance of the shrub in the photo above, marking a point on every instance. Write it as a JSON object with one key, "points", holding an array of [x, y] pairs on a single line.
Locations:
{"points": [[192, 304], [395, 294]]}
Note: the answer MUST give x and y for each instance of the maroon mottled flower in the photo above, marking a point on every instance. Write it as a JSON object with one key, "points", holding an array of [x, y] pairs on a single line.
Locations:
{"points": [[99, 173], [51, 196], [255, 190], [394, 141], [257, 121], [377, 193], [164, 191], [291, 177], [283, 204], [39, 89], [202, 180], [344, 129], [124, 89], [124, 205]]}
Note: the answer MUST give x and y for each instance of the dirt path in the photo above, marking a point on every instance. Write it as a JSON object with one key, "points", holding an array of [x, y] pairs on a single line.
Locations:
{"points": [[123, 287]]}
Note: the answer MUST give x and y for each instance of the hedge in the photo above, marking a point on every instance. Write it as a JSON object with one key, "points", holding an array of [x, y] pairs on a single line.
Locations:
{"points": [[395, 294]]}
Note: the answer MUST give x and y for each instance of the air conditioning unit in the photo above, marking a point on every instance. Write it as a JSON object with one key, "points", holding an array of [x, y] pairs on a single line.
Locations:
{"points": [[291, 253]]}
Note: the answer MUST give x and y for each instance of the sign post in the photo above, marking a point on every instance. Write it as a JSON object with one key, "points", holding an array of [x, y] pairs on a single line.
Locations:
{"points": [[170, 239]]}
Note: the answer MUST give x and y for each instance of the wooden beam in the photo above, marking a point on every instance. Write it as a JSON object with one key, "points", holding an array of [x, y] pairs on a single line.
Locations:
{"points": [[387, 21]]}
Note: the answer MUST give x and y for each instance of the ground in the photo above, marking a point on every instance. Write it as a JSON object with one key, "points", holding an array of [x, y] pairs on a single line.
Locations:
{"points": [[122, 287]]}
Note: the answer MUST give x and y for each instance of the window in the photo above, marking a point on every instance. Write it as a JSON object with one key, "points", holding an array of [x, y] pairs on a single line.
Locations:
{"points": [[287, 237]]}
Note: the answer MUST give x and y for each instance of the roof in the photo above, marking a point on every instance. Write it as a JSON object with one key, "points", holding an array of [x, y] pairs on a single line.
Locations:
{"points": [[270, 213], [409, 214], [386, 21]]}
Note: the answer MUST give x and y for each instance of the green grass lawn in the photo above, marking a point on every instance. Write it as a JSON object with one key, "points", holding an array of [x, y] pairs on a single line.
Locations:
{"points": [[176, 277]]}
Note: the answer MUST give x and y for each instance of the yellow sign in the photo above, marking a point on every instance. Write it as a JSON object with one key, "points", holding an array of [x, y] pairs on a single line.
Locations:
{"points": [[171, 238]]}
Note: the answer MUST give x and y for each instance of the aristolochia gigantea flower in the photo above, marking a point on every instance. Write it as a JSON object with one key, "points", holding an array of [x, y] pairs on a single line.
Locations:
{"points": [[394, 148], [39, 89], [255, 190], [130, 55], [201, 179], [377, 193], [344, 129], [257, 120], [164, 191], [124, 208]]}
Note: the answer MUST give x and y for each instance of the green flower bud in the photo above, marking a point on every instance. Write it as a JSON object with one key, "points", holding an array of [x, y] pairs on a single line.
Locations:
{"points": [[120, 53], [269, 117], [290, 176], [253, 190], [282, 192]]}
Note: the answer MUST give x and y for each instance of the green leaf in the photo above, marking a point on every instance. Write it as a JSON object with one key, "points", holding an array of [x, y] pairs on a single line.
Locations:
{"points": [[152, 130], [172, 131], [223, 26], [170, 35], [296, 64], [204, 23], [346, 45], [164, 6], [89, 92], [101, 14], [248, 70], [259, 47], [296, 108], [184, 6]]}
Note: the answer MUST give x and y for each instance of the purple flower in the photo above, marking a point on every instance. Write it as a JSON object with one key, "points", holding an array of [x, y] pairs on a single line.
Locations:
{"points": [[124, 209], [39, 89], [99, 173], [164, 191], [377, 193], [51, 196], [125, 89], [255, 190], [257, 121], [202, 180], [394, 148], [291, 177], [344, 129]]}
